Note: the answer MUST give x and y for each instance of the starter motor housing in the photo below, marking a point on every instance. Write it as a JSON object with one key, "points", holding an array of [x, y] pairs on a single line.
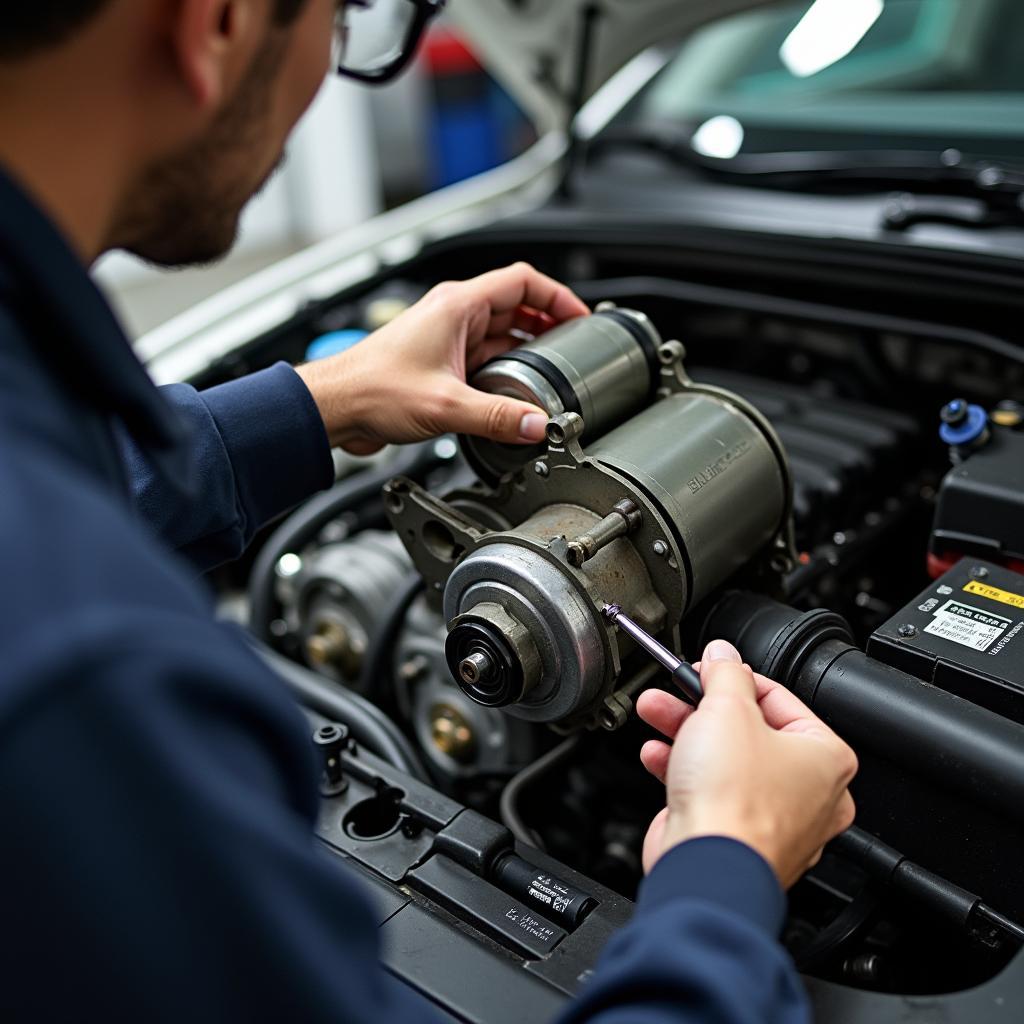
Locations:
{"points": [[669, 490]]}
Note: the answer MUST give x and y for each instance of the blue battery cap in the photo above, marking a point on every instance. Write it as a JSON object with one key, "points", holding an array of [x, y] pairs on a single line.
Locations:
{"points": [[962, 424], [333, 343]]}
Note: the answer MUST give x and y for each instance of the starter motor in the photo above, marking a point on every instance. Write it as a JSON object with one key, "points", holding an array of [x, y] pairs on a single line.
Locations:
{"points": [[651, 491]]}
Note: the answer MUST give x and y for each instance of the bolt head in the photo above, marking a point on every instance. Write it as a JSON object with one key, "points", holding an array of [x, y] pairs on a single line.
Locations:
{"points": [[955, 412], [452, 733], [660, 548], [541, 469]]}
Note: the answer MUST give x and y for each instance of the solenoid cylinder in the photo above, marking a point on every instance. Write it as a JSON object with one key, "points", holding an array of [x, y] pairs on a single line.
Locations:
{"points": [[603, 367]]}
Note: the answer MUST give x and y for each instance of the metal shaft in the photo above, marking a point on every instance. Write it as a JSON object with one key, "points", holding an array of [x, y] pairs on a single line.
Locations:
{"points": [[683, 675], [642, 638], [622, 520]]}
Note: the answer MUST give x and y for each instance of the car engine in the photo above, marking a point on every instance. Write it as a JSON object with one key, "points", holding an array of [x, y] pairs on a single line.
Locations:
{"points": [[835, 490]]}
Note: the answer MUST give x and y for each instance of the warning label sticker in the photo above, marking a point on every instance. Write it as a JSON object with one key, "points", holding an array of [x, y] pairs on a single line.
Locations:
{"points": [[966, 625], [995, 594]]}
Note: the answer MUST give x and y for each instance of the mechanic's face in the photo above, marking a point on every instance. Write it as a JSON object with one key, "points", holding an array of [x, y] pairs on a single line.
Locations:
{"points": [[189, 205]]}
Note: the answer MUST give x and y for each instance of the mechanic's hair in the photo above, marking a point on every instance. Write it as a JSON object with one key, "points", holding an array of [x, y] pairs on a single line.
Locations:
{"points": [[28, 28]]}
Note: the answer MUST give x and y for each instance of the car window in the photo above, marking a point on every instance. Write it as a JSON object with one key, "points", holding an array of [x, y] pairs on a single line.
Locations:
{"points": [[852, 74]]}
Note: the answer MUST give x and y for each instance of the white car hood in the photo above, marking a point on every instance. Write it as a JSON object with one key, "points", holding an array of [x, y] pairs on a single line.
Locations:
{"points": [[532, 46]]}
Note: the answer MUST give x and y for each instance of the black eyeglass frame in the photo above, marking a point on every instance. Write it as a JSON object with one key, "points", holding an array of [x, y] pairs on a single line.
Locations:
{"points": [[426, 12]]}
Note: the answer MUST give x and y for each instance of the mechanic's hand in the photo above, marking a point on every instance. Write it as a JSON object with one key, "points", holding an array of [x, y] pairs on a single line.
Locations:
{"points": [[407, 382], [752, 763]]}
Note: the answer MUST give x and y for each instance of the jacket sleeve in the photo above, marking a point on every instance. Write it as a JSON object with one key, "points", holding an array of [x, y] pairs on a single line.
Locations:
{"points": [[258, 448], [162, 790], [702, 947], [166, 866]]}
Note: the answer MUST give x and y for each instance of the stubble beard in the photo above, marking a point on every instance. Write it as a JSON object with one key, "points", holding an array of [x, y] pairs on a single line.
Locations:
{"points": [[186, 209]]}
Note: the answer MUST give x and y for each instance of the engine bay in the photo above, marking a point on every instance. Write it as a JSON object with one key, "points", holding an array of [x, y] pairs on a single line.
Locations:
{"points": [[720, 461]]}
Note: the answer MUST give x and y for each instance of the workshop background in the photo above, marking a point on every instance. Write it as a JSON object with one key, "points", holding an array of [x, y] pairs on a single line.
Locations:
{"points": [[357, 153]]}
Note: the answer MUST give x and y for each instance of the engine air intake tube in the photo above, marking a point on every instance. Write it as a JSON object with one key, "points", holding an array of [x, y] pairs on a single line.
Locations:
{"points": [[932, 733]]}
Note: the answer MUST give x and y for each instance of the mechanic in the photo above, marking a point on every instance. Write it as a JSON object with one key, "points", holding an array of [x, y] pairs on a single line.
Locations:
{"points": [[157, 786]]}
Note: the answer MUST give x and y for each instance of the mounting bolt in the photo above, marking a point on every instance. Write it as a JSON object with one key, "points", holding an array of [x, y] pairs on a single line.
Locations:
{"points": [[907, 631], [955, 412], [541, 469], [660, 548], [332, 740], [978, 572], [452, 733]]}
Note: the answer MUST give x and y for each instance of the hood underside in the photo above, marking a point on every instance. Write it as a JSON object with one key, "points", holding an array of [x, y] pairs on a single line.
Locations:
{"points": [[533, 47]]}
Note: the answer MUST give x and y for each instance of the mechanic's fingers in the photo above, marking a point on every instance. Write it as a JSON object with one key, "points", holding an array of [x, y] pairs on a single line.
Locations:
{"points": [[663, 711], [654, 756], [521, 319], [784, 710], [722, 672], [654, 839], [521, 285], [846, 814], [467, 411], [487, 350]]}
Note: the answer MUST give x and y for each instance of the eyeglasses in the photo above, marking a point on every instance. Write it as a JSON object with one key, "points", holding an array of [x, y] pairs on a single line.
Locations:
{"points": [[375, 40]]}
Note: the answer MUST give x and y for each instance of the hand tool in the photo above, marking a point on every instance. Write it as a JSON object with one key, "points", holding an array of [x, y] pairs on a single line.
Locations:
{"points": [[683, 674]]}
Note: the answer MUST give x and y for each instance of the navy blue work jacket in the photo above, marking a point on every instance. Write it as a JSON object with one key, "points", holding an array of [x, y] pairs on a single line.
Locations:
{"points": [[157, 786]]}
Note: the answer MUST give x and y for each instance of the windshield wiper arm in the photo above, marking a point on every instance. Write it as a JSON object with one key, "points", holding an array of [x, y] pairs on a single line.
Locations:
{"points": [[998, 186], [905, 210]]}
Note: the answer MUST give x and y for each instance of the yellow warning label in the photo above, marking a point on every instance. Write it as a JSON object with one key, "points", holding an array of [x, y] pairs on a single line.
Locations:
{"points": [[995, 594]]}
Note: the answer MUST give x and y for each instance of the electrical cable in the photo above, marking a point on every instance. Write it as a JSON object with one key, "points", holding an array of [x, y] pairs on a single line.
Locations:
{"points": [[509, 805], [847, 924], [302, 527], [368, 725]]}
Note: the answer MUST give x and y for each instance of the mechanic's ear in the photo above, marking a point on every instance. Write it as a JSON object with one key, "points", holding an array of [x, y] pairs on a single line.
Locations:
{"points": [[214, 43]]}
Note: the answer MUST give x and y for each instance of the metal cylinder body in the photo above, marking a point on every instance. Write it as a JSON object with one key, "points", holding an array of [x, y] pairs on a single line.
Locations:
{"points": [[712, 471], [337, 598], [603, 367]]}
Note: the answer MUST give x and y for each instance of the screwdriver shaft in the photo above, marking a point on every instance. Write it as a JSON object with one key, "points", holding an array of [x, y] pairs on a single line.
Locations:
{"points": [[683, 674], [642, 638]]}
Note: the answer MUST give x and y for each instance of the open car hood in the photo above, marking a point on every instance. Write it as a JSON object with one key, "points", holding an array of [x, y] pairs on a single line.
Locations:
{"points": [[533, 46]]}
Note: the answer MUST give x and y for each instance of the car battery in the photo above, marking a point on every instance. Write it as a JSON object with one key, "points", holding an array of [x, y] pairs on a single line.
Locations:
{"points": [[964, 634]]}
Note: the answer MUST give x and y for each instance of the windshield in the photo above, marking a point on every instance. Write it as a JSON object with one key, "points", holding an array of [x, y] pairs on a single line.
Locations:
{"points": [[848, 75]]}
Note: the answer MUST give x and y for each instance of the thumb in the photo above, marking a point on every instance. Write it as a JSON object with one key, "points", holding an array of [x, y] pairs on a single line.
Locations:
{"points": [[722, 672], [497, 418]]}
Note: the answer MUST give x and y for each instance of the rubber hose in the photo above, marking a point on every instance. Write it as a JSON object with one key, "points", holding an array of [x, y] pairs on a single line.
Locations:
{"points": [[510, 816], [376, 675], [302, 527], [368, 725]]}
